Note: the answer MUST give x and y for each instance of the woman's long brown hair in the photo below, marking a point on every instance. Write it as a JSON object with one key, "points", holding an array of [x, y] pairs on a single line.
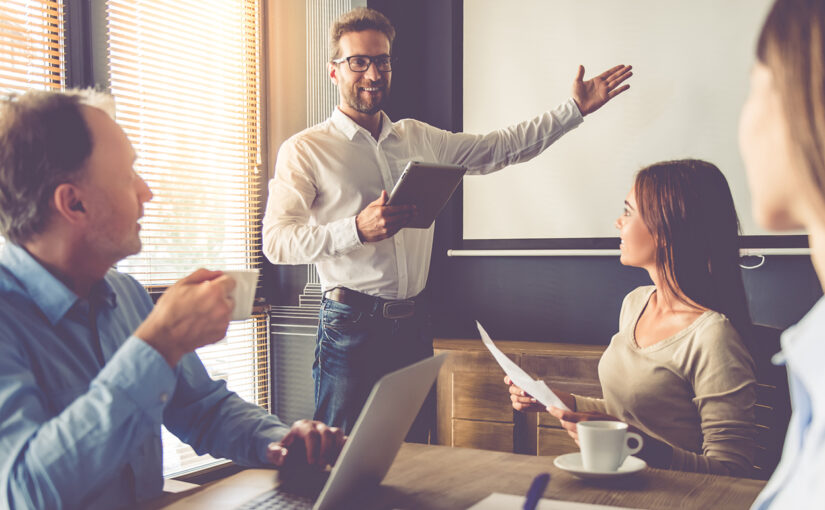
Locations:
{"points": [[792, 46], [688, 208]]}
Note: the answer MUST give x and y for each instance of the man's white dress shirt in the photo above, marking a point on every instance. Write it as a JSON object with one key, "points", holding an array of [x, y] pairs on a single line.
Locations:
{"points": [[327, 174]]}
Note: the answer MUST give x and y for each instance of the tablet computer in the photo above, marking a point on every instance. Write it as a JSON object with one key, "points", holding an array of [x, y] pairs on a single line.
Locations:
{"points": [[427, 186]]}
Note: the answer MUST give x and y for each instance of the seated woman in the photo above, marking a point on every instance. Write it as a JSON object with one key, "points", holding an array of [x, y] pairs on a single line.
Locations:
{"points": [[678, 371]]}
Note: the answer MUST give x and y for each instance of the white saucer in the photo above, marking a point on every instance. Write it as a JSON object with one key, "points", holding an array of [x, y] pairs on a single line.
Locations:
{"points": [[572, 463]]}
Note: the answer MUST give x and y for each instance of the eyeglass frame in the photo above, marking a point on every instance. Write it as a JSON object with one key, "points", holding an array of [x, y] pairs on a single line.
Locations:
{"points": [[390, 60]]}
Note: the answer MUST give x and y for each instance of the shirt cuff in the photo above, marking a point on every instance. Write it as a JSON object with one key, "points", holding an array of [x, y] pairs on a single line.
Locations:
{"points": [[572, 116], [589, 404], [142, 374], [274, 435], [344, 235]]}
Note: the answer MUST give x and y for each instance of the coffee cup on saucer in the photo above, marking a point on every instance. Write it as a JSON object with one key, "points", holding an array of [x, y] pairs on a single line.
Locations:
{"points": [[604, 444], [246, 280]]}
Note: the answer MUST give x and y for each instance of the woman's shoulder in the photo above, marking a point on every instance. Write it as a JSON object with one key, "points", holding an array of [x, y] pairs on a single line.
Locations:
{"points": [[713, 325], [638, 297], [715, 335], [632, 304]]}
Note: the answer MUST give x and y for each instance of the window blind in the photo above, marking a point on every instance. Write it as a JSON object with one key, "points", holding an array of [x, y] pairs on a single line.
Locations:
{"points": [[185, 77], [322, 94], [31, 47]]}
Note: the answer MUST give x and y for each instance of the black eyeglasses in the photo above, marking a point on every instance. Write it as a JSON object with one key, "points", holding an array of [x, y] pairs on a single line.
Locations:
{"points": [[360, 63]]}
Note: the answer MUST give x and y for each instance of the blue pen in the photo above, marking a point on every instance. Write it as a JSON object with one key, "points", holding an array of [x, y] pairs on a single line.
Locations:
{"points": [[536, 490]]}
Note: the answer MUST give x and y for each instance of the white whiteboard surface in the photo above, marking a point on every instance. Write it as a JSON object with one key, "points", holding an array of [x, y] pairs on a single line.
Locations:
{"points": [[691, 62]]}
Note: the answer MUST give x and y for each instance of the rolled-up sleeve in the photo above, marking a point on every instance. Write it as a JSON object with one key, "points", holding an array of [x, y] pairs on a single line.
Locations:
{"points": [[289, 235], [483, 154], [206, 415]]}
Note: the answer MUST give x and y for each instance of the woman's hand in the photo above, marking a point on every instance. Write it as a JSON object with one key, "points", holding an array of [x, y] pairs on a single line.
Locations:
{"points": [[520, 399], [569, 419]]}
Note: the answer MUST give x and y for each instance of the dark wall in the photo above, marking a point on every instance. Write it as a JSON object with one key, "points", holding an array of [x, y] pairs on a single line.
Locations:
{"points": [[577, 299], [572, 299]]}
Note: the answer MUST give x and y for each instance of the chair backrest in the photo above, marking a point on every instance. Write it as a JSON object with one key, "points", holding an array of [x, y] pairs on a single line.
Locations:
{"points": [[773, 401]]}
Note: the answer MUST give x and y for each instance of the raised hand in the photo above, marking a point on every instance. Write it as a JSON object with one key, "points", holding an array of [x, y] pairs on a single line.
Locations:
{"points": [[592, 94]]}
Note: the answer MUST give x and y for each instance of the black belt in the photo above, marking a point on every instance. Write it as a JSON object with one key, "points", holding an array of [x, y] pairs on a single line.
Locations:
{"points": [[387, 308]]}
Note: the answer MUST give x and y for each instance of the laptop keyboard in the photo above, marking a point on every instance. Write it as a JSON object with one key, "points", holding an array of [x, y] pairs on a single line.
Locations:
{"points": [[278, 500]]}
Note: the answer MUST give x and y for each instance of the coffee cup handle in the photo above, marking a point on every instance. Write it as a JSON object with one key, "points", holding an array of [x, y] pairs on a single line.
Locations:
{"points": [[628, 450]]}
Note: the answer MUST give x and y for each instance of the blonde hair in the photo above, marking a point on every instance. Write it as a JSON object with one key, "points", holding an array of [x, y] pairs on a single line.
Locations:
{"points": [[792, 46], [358, 20]]}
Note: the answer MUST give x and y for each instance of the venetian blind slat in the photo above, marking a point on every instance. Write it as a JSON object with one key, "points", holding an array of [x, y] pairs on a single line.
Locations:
{"points": [[185, 79], [31, 45]]}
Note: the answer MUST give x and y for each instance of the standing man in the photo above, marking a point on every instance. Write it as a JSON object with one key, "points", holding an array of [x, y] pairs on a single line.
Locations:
{"points": [[89, 368], [327, 206]]}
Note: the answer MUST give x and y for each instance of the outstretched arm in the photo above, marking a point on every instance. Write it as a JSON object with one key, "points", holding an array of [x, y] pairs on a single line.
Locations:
{"points": [[483, 154]]}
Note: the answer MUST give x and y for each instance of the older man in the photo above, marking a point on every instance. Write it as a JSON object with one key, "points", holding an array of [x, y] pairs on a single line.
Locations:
{"points": [[89, 368]]}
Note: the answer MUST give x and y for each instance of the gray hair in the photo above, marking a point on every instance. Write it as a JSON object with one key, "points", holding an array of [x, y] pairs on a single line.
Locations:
{"points": [[44, 142]]}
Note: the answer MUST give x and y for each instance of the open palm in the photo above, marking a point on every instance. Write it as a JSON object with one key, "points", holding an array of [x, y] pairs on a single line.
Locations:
{"points": [[592, 94]]}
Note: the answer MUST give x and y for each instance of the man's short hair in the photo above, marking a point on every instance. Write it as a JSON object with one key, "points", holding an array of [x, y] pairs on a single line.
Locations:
{"points": [[358, 20], [44, 142]]}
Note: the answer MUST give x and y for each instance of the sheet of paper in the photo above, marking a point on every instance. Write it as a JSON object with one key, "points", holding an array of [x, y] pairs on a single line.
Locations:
{"points": [[497, 501], [536, 389]]}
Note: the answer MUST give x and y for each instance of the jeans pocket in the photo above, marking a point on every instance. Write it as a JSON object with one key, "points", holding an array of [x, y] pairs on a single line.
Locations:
{"points": [[340, 317], [344, 338]]}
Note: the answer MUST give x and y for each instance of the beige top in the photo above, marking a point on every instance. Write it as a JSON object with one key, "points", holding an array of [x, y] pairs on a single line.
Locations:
{"points": [[695, 390]]}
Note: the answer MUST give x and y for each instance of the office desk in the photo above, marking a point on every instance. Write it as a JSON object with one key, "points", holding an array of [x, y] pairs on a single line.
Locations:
{"points": [[440, 477]]}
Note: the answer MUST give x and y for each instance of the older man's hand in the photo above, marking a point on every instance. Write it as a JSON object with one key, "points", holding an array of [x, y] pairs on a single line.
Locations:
{"points": [[308, 443], [192, 313]]}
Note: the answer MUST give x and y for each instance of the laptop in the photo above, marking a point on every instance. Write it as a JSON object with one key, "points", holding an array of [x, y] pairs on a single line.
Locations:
{"points": [[364, 461]]}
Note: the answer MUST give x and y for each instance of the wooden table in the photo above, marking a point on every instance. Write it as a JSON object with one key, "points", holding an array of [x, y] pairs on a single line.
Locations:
{"points": [[439, 477]]}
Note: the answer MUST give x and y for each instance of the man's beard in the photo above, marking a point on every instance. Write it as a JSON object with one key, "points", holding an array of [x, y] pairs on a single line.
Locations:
{"points": [[369, 107]]}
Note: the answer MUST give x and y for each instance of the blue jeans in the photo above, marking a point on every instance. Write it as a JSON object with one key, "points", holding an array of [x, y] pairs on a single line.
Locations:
{"points": [[354, 349]]}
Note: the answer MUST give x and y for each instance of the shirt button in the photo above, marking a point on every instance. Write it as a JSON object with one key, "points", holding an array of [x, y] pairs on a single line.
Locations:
{"points": [[164, 397]]}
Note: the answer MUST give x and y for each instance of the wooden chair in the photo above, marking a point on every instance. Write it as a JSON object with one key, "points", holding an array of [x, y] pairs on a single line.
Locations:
{"points": [[773, 401]]}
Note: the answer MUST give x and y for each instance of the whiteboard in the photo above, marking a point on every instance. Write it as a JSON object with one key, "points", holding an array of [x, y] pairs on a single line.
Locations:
{"points": [[691, 63]]}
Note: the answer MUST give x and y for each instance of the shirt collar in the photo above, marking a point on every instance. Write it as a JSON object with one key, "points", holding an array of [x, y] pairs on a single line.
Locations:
{"points": [[350, 128], [802, 346], [49, 294]]}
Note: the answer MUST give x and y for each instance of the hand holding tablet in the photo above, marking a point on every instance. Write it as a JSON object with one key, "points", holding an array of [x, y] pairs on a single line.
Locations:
{"points": [[427, 186]]}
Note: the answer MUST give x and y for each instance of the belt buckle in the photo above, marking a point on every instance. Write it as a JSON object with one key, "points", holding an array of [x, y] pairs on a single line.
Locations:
{"points": [[398, 309]]}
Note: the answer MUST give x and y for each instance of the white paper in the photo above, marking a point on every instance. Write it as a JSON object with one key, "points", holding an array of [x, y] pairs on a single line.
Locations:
{"points": [[497, 501], [535, 388]]}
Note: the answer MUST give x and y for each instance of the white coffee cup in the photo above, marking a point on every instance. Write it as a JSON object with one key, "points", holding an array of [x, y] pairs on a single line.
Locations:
{"points": [[604, 444], [246, 281]]}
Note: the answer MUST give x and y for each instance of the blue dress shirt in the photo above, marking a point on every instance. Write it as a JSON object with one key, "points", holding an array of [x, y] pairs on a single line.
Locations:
{"points": [[799, 480], [80, 413]]}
